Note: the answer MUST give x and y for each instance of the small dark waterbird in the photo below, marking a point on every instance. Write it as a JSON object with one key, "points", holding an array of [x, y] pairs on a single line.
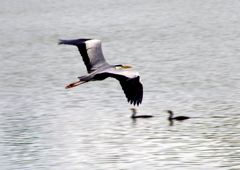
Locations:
{"points": [[99, 69], [138, 116], [170, 118]]}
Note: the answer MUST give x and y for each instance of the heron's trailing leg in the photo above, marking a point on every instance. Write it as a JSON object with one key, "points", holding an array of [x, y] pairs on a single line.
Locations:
{"points": [[74, 84]]}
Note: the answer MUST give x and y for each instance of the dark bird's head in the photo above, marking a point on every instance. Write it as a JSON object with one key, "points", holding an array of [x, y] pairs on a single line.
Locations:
{"points": [[171, 114], [134, 111], [169, 111], [119, 66]]}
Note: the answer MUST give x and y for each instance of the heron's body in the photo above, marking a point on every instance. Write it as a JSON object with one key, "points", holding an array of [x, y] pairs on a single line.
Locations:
{"points": [[170, 118], [139, 116], [99, 69]]}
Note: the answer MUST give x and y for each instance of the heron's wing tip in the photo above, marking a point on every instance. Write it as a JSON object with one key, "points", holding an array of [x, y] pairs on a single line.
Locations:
{"points": [[74, 41]]}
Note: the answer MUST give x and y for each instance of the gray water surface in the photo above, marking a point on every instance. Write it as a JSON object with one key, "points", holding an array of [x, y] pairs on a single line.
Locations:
{"points": [[187, 53]]}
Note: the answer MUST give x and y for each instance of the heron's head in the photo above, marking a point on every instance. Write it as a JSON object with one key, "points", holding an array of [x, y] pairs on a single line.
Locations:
{"points": [[122, 67]]}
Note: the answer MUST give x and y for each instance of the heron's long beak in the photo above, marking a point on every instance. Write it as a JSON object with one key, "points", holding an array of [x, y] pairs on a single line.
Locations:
{"points": [[125, 67]]}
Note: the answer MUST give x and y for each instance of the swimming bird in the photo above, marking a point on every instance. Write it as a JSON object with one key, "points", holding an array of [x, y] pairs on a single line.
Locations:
{"points": [[99, 69], [139, 116], [170, 118]]}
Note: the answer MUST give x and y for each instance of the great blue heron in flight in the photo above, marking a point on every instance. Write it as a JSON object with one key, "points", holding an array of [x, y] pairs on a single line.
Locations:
{"points": [[99, 69]]}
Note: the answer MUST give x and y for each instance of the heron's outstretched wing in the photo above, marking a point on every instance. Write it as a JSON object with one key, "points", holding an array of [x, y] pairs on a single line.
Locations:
{"points": [[130, 82], [132, 88], [90, 50]]}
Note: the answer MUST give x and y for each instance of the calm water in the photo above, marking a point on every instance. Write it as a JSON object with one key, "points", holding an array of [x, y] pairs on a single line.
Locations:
{"points": [[187, 53]]}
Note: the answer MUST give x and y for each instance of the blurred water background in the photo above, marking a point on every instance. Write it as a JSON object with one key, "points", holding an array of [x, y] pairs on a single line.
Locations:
{"points": [[187, 53]]}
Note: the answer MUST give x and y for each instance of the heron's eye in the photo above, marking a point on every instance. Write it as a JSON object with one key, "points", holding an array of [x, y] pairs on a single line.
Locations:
{"points": [[118, 66]]}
